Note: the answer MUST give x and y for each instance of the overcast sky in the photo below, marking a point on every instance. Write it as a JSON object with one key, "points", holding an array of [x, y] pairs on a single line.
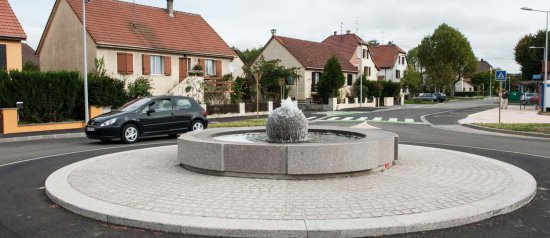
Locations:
{"points": [[493, 27]]}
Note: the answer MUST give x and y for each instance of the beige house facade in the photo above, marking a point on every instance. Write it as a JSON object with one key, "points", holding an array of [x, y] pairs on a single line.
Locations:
{"points": [[158, 45], [11, 35]]}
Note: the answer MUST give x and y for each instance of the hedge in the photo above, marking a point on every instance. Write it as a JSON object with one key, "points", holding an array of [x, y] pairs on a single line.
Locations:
{"points": [[467, 94], [56, 96]]}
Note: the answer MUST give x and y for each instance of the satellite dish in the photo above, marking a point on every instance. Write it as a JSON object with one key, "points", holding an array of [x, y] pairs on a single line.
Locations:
{"points": [[232, 67]]}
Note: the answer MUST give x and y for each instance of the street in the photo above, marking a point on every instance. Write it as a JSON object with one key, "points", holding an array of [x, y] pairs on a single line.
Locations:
{"points": [[27, 212]]}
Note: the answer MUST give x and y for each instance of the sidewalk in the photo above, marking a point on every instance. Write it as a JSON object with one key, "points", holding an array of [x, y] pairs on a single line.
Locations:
{"points": [[511, 115], [30, 136]]}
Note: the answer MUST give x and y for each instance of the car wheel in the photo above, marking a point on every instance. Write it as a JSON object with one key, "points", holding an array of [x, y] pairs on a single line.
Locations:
{"points": [[197, 125], [130, 134]]}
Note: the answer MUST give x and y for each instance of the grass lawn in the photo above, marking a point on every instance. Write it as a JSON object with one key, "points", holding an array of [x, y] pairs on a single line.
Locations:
{"points": [[527, 127], [243, 123], [419, 102]]}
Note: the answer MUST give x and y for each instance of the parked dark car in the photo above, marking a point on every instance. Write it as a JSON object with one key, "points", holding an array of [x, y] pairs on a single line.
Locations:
{"points": [[440, 96], [170, 115], [426, 97]]}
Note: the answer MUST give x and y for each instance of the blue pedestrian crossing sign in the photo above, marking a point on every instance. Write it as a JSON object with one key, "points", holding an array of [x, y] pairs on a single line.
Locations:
{"points": [[501, 75]]}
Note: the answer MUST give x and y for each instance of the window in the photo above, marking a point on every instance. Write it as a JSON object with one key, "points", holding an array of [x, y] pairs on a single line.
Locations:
{"points": [[210, 66], [350, 79], [162, 105], [3, 57], [157, 65], [183, 104], [397, 74], [365, 55], [315, 77]]}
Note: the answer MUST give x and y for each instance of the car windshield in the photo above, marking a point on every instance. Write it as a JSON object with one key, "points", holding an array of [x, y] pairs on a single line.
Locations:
{"points": [[133, 105]]}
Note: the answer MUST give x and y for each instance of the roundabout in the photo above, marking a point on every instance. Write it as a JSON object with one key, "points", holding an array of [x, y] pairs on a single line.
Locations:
{"points": [[148, 189]]}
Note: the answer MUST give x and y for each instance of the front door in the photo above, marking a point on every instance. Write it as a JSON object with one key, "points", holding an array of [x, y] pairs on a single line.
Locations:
{"points": [[183, 69], [157, 117]]}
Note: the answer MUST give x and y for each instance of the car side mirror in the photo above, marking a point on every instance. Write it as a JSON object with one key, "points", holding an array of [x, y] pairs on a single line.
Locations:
{"points": [[150, 111]]}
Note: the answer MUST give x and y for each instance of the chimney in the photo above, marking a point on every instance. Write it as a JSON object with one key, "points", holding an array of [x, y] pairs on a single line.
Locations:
{"points": [[170, 7], [273, 32], [348, 32], [335, 33]]}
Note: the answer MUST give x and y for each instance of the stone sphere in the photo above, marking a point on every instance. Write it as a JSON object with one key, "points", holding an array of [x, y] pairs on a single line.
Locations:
{"points": [[287, 124]]}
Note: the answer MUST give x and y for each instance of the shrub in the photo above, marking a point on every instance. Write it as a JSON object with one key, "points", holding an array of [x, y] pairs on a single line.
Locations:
{"points": [[139, 88], [391, 89], [467, 94], [357, 88], [106, 91], [332, 80]]}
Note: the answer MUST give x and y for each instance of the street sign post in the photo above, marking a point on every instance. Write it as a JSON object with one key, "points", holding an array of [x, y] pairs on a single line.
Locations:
{"points": [[500, 77]]}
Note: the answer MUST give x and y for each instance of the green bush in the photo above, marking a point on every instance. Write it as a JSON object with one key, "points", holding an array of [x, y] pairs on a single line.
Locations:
{"points": [[467, 94], [357, 88], [106, 91], [139, 88], [391, 89]]}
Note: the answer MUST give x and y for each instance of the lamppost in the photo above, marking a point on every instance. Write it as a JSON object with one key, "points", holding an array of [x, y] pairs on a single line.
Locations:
{"points": [[86, 106], [258, 76], [544, 88]]}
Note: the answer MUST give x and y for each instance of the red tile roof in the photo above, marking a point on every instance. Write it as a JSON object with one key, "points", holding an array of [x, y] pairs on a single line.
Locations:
{"points": [[9, 25], [314, 55], [346, 43], [109, 22], [29, 55], [385, 56]]}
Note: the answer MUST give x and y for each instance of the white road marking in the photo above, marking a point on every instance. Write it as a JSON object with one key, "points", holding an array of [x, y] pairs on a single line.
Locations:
{"points": [[393, 119], [311, 118], [409, 120], [347, 119], [377, 119], [83, 151], [333, 118], [362, 118]]}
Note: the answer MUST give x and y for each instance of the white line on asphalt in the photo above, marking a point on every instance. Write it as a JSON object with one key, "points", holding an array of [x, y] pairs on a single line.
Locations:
{"points": [[409, 120], [347, 119], [473, 147], [393, 119], [82, 151], [311, 118], [333, 119], [362, 118], [377, 119]]}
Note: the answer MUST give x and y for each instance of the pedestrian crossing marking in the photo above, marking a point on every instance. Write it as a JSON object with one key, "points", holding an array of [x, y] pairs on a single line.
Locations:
{"points": [[362, 118], [347, 119], [333, 118], [377, 119], [393, 119], [409, 120]]}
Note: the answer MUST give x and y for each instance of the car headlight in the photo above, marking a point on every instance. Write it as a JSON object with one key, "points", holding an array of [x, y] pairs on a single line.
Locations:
{"points": [[108, 122]]}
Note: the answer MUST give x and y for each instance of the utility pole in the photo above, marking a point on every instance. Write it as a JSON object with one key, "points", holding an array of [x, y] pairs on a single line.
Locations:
{"points": [[258, 76], [86, 106]]}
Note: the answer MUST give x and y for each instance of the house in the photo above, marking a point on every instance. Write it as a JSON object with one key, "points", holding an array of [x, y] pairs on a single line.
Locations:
{"points": [[135, 41], [357, 51], [29, 55], [391, 61], [11, 35], [310, 57], [465, 84]]}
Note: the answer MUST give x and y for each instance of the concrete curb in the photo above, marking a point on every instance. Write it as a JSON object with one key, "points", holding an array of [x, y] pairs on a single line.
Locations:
{"points": [[520, 133], [42, 137], [520, 192]]}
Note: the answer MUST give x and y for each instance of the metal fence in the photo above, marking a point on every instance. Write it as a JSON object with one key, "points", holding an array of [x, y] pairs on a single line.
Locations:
{"points": [[222, 109], [251, 107]]}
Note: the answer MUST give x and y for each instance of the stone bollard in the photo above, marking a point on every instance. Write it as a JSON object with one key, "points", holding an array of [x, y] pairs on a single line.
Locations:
{"points": [[356, 100], [346, 101], [333, 104], [241, 108], [270, 106]]}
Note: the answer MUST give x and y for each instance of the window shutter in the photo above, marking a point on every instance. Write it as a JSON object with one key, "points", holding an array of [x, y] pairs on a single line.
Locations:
{"points": [[121, 63], [130, 63], [167, 65], [3, 57], [146, 64], [218, 68], [203, 66]]}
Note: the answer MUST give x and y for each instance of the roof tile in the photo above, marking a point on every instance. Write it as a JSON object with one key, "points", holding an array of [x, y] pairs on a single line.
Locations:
{"points": [[9, 25], [110, 22], [385, 56]]}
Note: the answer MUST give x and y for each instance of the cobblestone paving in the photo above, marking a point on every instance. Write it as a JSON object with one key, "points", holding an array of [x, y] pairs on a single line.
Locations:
{"points": [[421, 182]]}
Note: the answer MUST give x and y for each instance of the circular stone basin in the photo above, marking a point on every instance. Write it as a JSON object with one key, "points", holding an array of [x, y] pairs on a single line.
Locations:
{"points": [[245, 152]]}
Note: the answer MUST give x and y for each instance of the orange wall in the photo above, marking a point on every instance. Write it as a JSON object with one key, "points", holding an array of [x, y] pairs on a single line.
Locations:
{"points": [[11, 125], [13, 53]]}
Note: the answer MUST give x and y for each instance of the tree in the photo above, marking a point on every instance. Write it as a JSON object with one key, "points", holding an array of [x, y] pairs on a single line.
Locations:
{"points": [[530, 60], [411, 79], [332, 80], [249, 55], [272, 72], [447, 57]]}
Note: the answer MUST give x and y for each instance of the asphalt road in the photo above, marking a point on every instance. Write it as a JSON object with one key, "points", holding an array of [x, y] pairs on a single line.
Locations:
{"points": [[25, 211]]}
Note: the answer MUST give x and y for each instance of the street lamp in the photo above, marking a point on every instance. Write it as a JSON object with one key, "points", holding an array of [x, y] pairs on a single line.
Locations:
{"points": [[86, 106], [544, 88]]}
